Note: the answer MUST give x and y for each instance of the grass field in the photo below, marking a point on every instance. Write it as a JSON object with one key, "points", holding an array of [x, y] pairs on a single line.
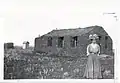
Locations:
{"points": [[23, 64]]}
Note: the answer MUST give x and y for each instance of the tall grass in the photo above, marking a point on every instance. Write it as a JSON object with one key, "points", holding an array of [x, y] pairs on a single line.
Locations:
{"points": [[23, 64]]}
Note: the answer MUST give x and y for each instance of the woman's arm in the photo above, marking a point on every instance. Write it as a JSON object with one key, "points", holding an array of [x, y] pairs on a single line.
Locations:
{"points": [[98, 50], [88, 50]]}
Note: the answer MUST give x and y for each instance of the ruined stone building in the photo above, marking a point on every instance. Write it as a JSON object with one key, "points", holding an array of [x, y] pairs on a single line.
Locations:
{"points": [[72, 42]]}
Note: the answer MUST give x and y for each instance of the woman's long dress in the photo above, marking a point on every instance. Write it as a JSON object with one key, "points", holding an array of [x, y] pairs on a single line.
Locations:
{"points": [[93, 69]]}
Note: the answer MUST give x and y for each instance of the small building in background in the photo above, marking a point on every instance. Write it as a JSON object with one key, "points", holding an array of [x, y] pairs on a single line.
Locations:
{"points": [[26, 45], [8, 45]]}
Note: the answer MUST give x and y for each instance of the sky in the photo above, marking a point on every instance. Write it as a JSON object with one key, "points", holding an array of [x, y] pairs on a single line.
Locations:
{"points": [[23, 20]]}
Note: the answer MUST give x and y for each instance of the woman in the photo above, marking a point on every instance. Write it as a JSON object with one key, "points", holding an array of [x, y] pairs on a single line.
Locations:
{"points": [[93, 69]]}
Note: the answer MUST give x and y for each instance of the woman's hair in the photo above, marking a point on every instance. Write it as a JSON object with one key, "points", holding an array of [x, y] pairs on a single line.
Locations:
{"points": [[91, 39]]}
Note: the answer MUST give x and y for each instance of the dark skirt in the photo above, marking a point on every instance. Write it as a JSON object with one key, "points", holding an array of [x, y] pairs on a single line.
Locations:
{"points": [[93, 68]]}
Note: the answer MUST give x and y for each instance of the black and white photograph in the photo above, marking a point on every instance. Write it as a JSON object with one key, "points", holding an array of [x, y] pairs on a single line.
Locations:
{"points": [[59, 39]]}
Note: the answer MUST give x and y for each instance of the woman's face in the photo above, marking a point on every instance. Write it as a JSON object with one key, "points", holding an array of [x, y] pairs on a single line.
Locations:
{"points": [[93, 40]]}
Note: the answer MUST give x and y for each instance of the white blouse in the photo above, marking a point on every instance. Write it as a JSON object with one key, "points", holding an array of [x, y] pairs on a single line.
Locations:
{"points": [[93, 48]]}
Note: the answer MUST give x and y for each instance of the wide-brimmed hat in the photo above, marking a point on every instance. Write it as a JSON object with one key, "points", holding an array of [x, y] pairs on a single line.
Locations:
{"points": [[93, 36]]}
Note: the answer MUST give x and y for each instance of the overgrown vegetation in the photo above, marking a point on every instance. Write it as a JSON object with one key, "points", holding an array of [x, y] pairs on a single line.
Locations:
{"points": [[23, 64]]}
